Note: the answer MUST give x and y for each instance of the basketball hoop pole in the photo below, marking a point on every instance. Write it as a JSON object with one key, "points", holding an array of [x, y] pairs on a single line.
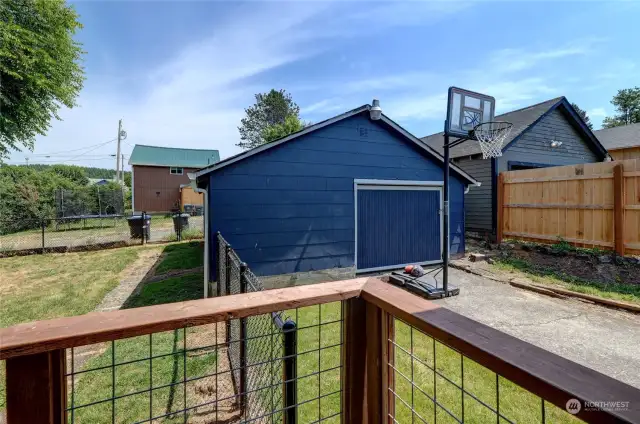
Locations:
{"points": [[445, 235], [445, 193]]}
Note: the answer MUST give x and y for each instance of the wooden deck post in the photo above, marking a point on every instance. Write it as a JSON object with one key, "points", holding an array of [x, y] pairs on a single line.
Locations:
{"points": [[354, 352], [363, 362], [500, 211], [618, 208], [37, 388]]}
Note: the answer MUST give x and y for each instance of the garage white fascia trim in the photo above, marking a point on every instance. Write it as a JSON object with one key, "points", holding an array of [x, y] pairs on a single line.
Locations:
{"points": [[366, 184]]}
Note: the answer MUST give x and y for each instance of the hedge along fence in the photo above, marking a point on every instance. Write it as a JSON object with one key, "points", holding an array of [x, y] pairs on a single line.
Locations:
{"points": [[587, 205]]}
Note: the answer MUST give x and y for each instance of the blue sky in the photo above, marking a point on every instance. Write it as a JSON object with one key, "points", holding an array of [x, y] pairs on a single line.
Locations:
{"points": [[180, 73]]}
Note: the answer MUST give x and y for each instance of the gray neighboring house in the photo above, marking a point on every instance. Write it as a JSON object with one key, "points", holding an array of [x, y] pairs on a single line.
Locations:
{"points": [[528, 146], [621, 142]]}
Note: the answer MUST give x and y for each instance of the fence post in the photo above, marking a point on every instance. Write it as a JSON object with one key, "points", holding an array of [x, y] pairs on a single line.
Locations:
{"points": [[618, 208], [500, 211], [42, 225], [364, 355], [290, 372], [37, 388], [179, 226], [144, 227], [388, 357], [218, 263], [227, 284], [243, 343]]}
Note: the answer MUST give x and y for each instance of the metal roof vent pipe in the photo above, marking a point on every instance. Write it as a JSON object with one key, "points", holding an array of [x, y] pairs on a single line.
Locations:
{"points": [[376, 111]]}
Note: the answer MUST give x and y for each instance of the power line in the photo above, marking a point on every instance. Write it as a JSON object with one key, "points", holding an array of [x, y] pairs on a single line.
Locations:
{"points": [[73, 150], [95, 148], [60, 161]]}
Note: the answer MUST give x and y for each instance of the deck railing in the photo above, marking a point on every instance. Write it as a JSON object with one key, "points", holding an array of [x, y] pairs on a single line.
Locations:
{"points": [[367, 352]]}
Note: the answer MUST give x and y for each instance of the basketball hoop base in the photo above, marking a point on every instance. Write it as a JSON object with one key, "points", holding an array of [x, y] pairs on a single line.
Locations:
{"points": [[425, 286]]}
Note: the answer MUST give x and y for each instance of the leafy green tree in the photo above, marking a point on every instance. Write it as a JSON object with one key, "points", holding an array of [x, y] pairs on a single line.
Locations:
{"points": [[290, 125], [627, 103], [270, 109], [583, 115], [127, 179], [39, 68], [74, 173]]}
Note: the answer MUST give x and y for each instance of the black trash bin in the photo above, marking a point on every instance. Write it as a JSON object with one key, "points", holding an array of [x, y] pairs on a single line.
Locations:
{"points": [[180, 222], [137, 225]]}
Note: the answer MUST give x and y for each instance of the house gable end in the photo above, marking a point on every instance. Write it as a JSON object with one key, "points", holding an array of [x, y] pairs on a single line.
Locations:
{"points": [[534, 145], [580, 130]]}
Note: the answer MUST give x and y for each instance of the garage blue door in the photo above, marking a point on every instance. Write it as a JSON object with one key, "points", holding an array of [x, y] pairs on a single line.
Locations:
{"points": [[397, 226]]}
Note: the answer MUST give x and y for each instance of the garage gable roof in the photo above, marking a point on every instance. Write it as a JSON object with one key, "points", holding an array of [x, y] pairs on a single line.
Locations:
{"points": [[364, 108], [523, 120]]}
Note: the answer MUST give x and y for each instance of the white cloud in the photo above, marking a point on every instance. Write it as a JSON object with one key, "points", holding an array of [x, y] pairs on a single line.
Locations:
{"points": [[514, 60], [196, 99], [323, 107], [597, 112]]}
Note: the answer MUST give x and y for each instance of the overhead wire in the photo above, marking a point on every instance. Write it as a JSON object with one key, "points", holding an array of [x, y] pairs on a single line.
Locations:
{"points": [[74, 150], [95, 148]]}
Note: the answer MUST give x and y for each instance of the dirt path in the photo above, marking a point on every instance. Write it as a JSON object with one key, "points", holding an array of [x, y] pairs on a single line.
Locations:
{"points": [[130, 279]]}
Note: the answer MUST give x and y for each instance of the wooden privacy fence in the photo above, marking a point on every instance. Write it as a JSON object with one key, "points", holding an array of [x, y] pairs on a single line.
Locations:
{"points": [[588, 205]]}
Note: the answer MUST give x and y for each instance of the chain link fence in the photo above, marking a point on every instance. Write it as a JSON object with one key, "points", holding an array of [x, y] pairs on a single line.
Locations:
{"points": [[24, 236], [264, 360]]}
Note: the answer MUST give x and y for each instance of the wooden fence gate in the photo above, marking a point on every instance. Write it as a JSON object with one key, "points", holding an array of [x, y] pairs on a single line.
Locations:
{"points": [[588, 205]]}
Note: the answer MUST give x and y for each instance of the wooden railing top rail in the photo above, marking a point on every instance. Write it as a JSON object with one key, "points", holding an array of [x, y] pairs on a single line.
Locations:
{"points": [[96, 327], [539, 371]]}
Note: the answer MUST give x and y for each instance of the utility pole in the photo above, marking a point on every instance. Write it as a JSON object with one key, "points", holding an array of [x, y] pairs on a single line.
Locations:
{"points": [[122, 166], [118, 152]]}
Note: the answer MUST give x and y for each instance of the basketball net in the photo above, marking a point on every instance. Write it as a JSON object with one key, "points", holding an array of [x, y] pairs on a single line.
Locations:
{"points": [[491, 136]]}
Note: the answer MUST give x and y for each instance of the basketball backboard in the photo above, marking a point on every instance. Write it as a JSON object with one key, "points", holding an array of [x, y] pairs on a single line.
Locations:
{"points": [[465, 110]]}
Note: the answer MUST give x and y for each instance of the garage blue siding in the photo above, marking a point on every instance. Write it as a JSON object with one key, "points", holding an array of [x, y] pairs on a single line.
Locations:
{"points": [[398, 227], [291, 208]]}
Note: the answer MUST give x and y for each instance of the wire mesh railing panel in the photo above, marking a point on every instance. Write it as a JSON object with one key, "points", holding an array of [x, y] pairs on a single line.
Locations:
{"points": [[431, 382], [185, 375]]}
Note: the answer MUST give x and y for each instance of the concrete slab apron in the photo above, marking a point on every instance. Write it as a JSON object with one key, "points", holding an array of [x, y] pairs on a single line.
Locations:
{"points": [[603, 339]]}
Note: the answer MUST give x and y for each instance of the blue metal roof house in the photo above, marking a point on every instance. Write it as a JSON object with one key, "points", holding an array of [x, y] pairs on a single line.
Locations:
{"points": [[355, 191]]}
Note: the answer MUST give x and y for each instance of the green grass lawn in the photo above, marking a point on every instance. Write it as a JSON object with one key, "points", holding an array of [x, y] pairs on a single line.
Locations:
{"points": [[48, 286], [616, 291], [181, 256]]}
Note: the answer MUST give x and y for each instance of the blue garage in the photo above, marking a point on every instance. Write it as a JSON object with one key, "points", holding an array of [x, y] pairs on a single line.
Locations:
{"points": [[355, 191]]}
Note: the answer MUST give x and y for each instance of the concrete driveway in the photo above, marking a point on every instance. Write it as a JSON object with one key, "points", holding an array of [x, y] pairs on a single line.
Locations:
{"points": [[603, 339]]}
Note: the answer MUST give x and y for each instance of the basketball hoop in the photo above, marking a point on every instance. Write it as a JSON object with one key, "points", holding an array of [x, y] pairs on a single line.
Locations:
{"points": [[491, 136]]}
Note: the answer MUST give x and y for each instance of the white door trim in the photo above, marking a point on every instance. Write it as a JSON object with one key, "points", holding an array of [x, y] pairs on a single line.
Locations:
{"points": [[367, 184]]}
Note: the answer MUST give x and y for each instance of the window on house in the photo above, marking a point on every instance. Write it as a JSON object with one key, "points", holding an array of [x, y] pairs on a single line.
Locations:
{"points": [[175, 171]]}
